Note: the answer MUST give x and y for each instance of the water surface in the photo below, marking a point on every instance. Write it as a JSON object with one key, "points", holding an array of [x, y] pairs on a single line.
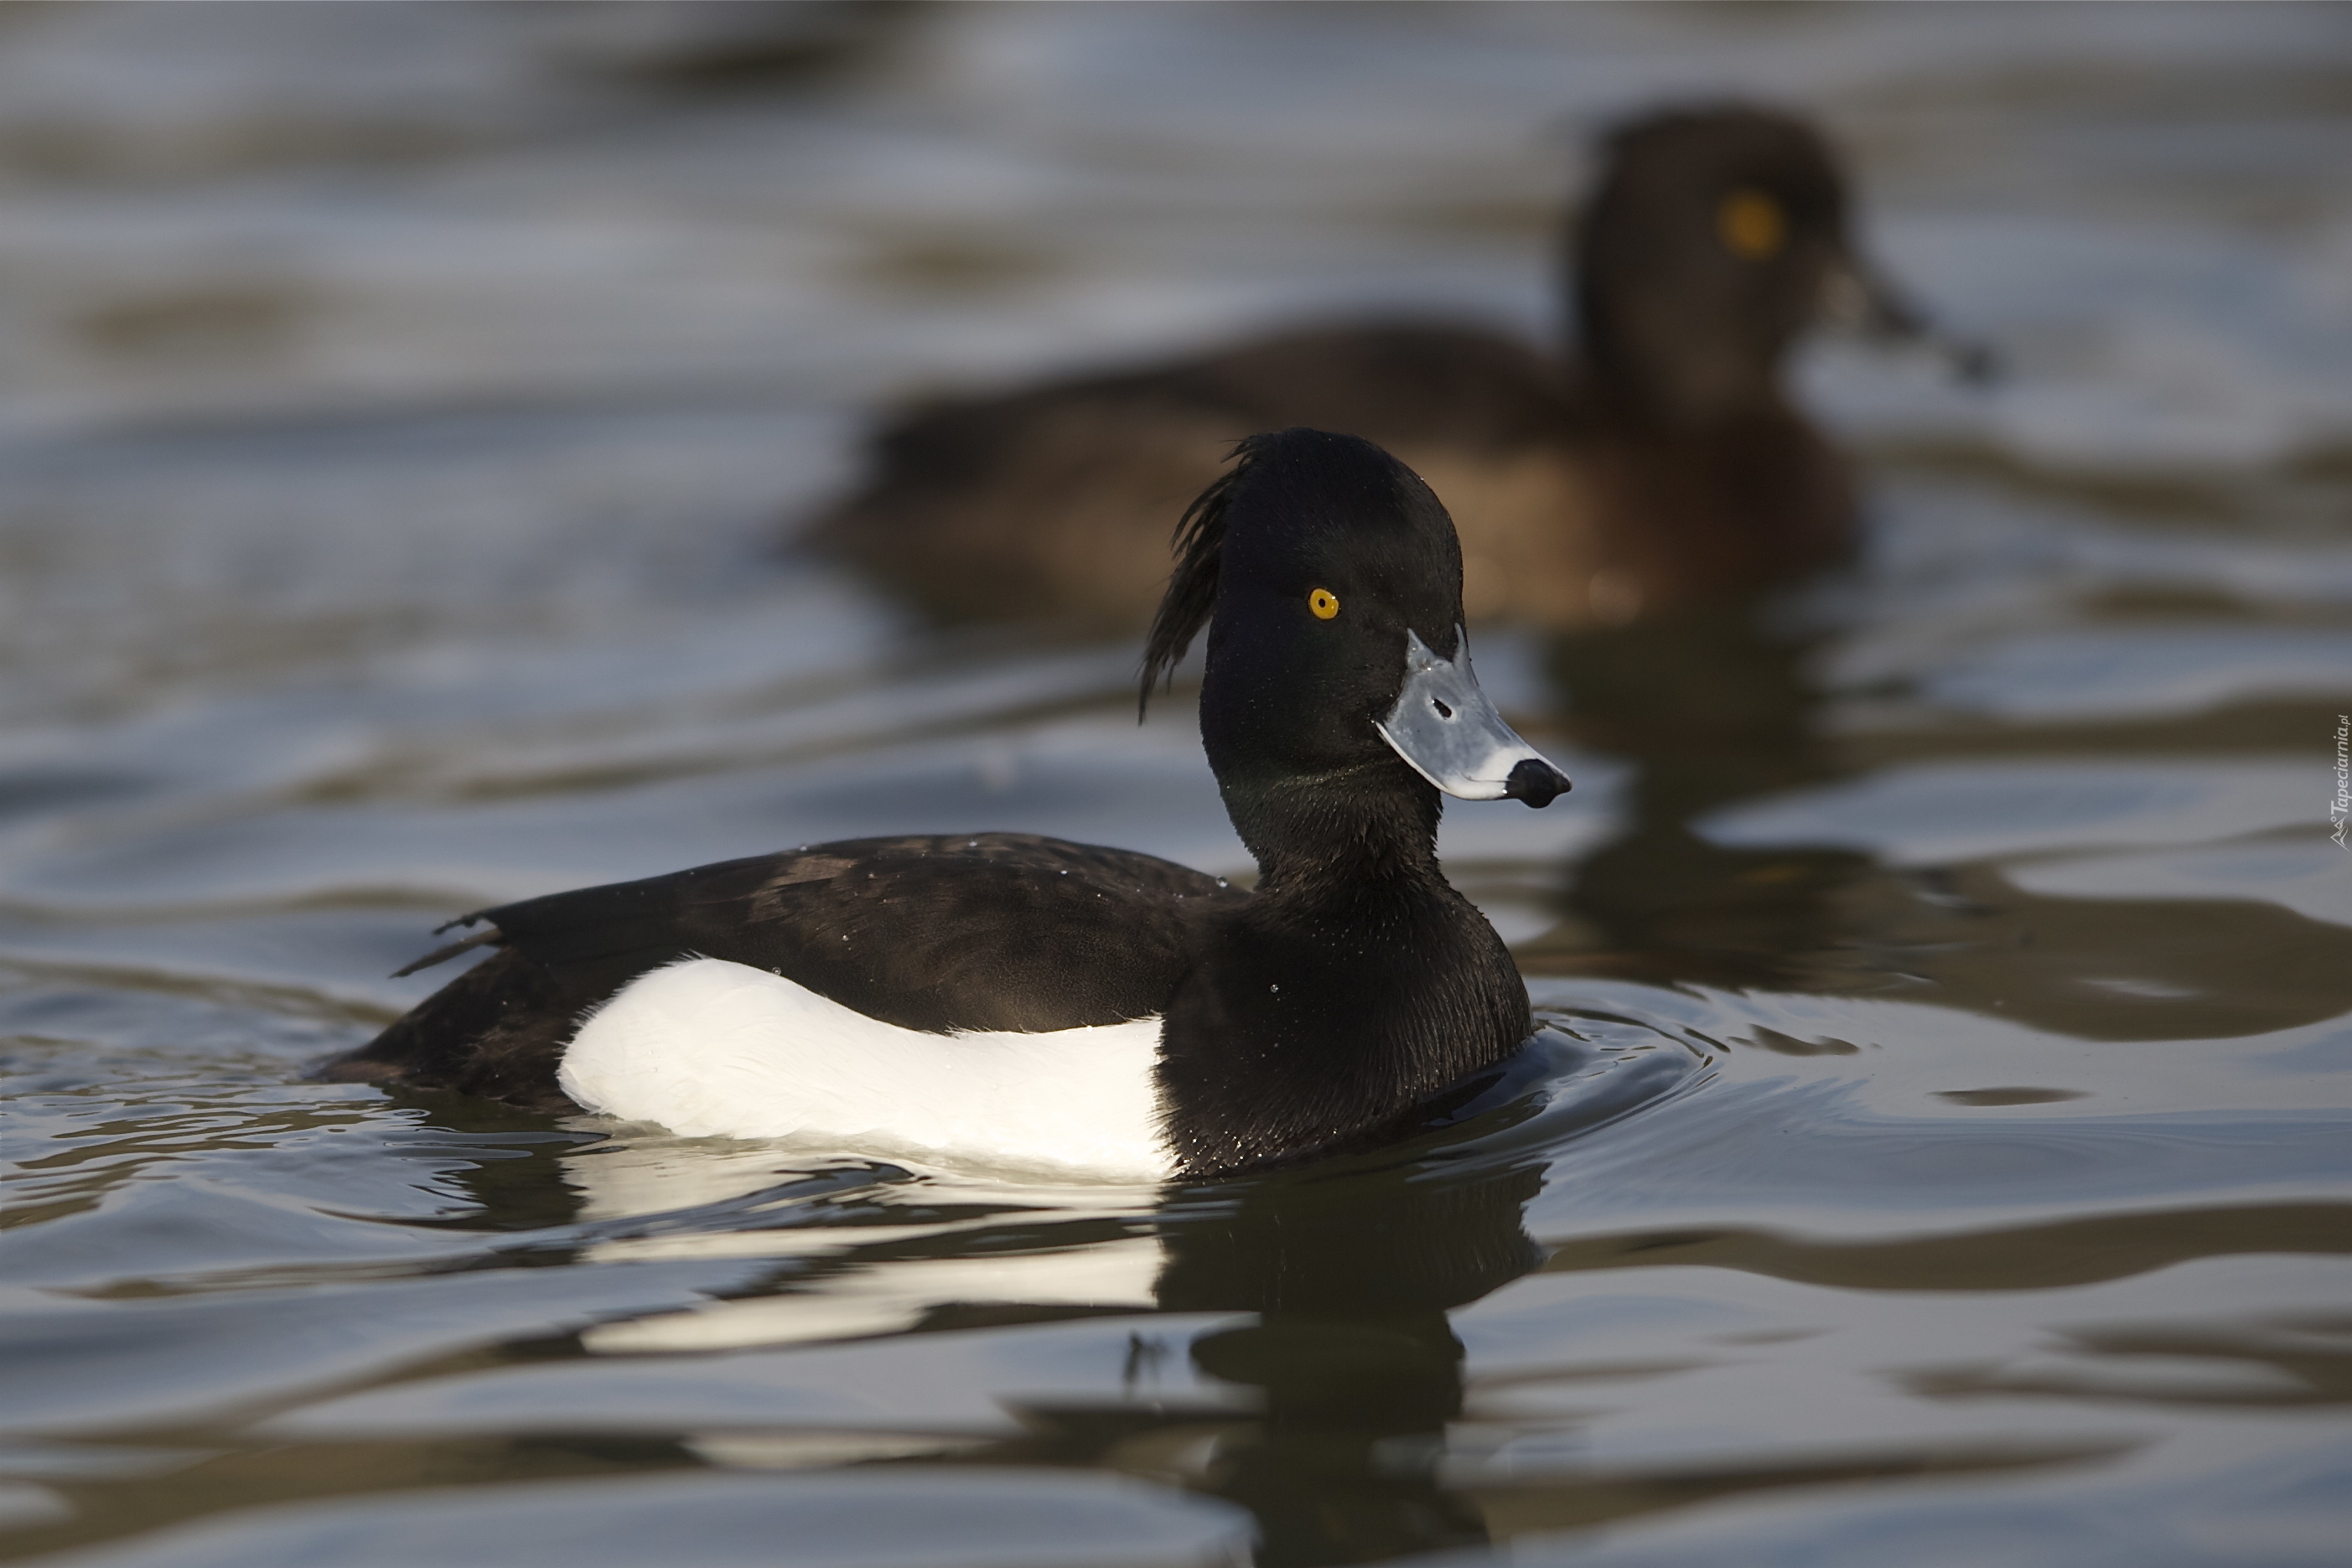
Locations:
{"points": [[1940, 1146]]}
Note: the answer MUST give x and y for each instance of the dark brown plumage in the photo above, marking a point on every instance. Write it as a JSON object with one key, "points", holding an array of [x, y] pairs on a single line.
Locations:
{"points": [[1660, 467]]}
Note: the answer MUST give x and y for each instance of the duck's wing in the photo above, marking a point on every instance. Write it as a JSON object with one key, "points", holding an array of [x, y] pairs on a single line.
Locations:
{"points": [[993, 931]]}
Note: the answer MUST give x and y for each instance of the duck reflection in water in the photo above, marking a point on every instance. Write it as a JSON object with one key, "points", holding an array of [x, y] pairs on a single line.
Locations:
{"points": [[1711, 709], [1352, 1354], [1721, 709], [1331, 1284]]}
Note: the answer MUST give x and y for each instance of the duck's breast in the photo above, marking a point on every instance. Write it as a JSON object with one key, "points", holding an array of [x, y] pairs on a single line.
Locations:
{"points": [[705, 1048]]}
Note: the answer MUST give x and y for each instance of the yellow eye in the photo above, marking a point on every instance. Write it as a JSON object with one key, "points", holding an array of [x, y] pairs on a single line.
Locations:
{"points": [[1752, 226], [1324, 603]]}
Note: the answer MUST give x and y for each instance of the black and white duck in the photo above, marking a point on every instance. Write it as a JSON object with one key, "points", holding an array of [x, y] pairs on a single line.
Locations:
{"points": [[1026, 1001]]}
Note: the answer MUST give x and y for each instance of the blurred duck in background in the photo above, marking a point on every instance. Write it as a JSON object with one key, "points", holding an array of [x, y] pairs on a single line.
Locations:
{"points": [[1660, 467]]}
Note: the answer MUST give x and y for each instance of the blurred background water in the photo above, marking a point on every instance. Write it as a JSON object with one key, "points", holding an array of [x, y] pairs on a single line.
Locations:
{"points": [[1942, 1149]]}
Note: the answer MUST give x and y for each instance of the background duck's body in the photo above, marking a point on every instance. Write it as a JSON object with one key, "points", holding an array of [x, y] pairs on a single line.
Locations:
{"points": [[1663, 466]]}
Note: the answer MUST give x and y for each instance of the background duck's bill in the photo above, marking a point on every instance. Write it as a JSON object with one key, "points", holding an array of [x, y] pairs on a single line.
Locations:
{"points": [[1444, 726], [1857, 297]]}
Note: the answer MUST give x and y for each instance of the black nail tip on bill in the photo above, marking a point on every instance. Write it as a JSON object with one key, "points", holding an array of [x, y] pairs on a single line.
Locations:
{"points": [[1537, 782]]}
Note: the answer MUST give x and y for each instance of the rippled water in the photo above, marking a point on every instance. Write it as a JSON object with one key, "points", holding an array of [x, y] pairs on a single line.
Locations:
{"points": [[1941, 1148]]}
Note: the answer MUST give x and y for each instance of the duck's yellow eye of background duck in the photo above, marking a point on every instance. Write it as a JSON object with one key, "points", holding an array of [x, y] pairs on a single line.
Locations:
{"points": [[1324, 603], [1752, 226]]}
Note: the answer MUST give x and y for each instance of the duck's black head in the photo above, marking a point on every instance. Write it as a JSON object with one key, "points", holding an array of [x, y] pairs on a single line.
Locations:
{"points": [[1338, 697], [1715, 236]]}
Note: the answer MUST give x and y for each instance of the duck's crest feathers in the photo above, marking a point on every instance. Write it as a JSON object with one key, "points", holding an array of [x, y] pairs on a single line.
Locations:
{"points": [[1199, 543]]}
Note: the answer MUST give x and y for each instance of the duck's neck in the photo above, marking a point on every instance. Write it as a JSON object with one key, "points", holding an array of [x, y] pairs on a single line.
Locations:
{"points": [[1643, 364], [1342, 838], [1354, 987]]}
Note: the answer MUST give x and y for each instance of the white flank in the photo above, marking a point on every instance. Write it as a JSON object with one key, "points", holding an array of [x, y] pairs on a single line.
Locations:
{"points": [[707, 1048]]}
